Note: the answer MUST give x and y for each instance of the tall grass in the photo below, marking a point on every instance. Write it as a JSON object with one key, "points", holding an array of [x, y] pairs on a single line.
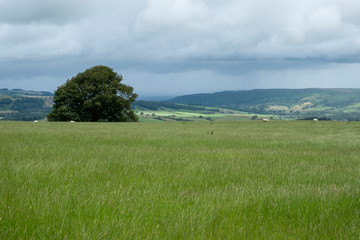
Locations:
{"points": [[247, 180]]}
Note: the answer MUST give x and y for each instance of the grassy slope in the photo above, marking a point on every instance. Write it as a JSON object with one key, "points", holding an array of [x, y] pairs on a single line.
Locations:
{"points": [[248, 180], [286, 100], [330, 97]]}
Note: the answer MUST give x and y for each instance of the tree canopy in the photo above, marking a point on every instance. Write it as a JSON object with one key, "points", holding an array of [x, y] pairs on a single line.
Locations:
{"points": [[92, 96]]}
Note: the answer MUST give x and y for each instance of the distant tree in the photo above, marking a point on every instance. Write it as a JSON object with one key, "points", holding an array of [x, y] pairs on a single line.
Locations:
{"points": [[5, 102], [92, 96], [26, 103], [254, 117]]}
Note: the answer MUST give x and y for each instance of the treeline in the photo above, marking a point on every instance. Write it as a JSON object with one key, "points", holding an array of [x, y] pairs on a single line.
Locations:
{"points": [[5, 102], [302, 115], [318, 118], [351, 116], [151, 105], [23, 104], [336, 116], [28, 115], [23, 108], [20, 104]]}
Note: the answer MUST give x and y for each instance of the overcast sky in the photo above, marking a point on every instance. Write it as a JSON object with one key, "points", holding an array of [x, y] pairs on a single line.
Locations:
{"points": [[177, 47]]}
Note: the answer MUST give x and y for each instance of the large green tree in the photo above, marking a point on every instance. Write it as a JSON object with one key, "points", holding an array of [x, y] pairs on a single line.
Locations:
{"points": [[92, 96]]}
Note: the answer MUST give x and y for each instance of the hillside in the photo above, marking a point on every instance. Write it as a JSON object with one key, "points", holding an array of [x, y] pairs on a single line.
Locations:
{"points": [[336, 104], [24, 105], [21, 92]]}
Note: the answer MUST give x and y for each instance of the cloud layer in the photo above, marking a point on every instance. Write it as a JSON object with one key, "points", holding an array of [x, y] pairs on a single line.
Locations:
{"points": [[191, 42]]}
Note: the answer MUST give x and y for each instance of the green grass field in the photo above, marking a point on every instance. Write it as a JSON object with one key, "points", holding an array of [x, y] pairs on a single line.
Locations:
{"points": [[176, 180]]}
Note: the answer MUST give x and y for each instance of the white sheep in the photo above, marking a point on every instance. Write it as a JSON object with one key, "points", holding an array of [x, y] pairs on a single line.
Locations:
{"points": [[266, 120], [315, 119], [72, 121], [36, 121]]}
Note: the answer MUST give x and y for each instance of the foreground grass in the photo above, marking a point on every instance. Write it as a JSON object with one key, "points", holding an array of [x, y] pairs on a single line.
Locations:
{"points": [[247, 180]]}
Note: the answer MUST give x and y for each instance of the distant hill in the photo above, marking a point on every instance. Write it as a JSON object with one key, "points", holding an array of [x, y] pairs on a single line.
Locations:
{"points": [[24, 105], [334, 104], [21, 92], [337, 104]]}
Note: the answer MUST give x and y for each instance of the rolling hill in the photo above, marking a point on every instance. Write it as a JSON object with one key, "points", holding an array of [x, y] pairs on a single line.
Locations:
{"points": [[24, 105], [336, 104]]}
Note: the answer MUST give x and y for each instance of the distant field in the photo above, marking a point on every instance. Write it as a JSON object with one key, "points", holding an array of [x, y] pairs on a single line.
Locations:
{"points": [[180, 180], [168, 114], [336, 104]]}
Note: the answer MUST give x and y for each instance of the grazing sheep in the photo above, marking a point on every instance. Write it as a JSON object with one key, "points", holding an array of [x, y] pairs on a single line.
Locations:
{"points": [[36, 121], [72, 121], [315, 119], [266, 120]]}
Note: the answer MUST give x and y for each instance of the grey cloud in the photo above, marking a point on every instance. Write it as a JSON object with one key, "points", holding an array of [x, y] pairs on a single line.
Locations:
{"points": [[202, 42], [181, 29], [274, 29], [202, 81], [24, 12]]}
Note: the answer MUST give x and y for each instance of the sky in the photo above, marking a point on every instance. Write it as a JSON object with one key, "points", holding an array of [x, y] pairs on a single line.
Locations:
{"points": [[179, 47]]}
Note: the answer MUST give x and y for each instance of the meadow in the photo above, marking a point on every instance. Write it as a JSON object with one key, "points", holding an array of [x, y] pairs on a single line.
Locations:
{"points": [[180, 180]]}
